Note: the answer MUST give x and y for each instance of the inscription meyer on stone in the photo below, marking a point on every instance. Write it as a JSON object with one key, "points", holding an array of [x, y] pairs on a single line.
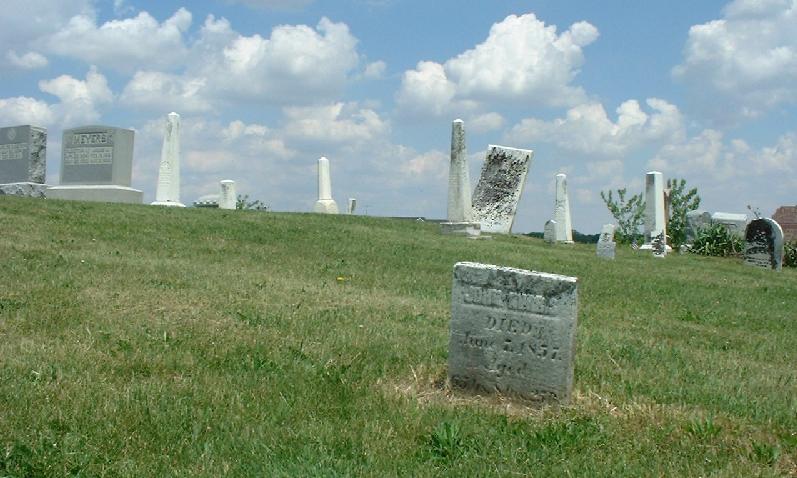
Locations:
{"points": [[23, 154], [97, 155], [513, 331]]}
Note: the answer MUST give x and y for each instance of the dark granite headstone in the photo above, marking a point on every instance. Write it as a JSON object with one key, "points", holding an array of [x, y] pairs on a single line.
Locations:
{"points": [[764, 244], [23, 154], [97, 155]]}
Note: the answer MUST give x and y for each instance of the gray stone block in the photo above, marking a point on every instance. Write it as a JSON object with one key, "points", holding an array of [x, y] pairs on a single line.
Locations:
{"points": [[23, 154], [97, 155], [470, 229], [764, 244], [33, 190], [513, 331], [96, 193]]}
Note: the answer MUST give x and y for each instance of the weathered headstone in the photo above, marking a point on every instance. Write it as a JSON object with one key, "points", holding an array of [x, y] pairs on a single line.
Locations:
{"points": [[654, 208], [659, 246], [695, 221], [23, 160], [501, 183], [734, 223], [460, 211], [228, 199], [561, 211], [352, 206], [764, 244], [513, 331], [549, 233], [168, 191], [606, 245], [96, 165], [325, 203]]}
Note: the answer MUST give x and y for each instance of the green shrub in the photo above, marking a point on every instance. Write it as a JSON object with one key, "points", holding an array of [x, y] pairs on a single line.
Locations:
{"points": [[790, 254], [717, 241]]}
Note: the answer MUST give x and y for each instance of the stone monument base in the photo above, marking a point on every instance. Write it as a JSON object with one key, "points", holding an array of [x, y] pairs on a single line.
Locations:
{"points": [[167, 203], [326, 206], [469, 229], [649, 247], [32, 190], [96, 193]]}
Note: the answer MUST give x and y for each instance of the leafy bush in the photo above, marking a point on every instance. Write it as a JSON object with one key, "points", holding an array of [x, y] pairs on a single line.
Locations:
{"points": [[717, 241], [790, 254], [627, 212]]}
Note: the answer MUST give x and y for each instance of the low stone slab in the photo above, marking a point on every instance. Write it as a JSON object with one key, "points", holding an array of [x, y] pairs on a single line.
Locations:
{"points": [[96, 193], [33, 190], [470, 229], [513, 331]]}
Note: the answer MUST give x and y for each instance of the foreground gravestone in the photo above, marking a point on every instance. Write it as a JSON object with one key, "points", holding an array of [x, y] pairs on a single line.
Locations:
{"points": [[513, 331], [23, 160], [764, 244], [606, 246], [96, 165], [460, 210], [228, 199], [500, 186], [561, 212], [168, 191], [325, 203]]}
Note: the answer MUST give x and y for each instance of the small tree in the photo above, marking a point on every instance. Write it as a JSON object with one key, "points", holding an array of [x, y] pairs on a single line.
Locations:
{"points": [[681, 202], [628, 214], [243, 202]]}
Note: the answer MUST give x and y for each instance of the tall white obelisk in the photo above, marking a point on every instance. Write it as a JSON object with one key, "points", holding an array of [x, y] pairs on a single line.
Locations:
{"points": [[168, 192], [325, 203]]}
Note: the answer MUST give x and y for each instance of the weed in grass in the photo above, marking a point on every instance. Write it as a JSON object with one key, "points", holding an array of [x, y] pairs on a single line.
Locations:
{"points": [[703, 429], [446, 440], [764, 453]]}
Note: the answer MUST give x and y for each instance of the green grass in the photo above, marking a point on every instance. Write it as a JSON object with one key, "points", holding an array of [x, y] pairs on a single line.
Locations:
{"points": [[143, 341]]}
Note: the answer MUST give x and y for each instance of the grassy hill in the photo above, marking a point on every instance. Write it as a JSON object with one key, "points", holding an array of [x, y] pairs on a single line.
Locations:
{"points": [[143, 341]]}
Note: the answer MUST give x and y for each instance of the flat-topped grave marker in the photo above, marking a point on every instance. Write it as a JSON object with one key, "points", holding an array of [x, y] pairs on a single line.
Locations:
{"points": [[500, 185], [97, 165], [23, 160], [764, 244], [606, 246], [513, 331]]}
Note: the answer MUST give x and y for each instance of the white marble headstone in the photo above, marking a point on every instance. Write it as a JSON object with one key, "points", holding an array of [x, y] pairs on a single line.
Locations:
{"points": [[549, 233], [168, 191], [228, 197], [606, 246], [325, 203], [561, 212], [654, 208]]}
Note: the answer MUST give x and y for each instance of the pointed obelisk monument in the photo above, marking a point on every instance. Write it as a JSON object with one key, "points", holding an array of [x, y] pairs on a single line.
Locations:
{"points": [[655, 226], [168, 192], [561, 211], [228, 199], [460, 212], [325, 203]]}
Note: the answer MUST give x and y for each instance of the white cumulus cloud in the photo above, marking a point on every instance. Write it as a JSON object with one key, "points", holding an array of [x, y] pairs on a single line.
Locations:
{"points": [[158, 91], [125, 44], [744, 63], [587, 128], [79, 99], [25, 110], [521, 59], [28, 61]]}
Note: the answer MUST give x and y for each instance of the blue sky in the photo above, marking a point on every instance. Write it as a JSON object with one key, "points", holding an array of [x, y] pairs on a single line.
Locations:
{"points": [[603, 91]]}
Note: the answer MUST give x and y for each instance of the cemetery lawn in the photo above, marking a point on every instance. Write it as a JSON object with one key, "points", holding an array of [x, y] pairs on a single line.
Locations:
{"points": [[142, 341]]}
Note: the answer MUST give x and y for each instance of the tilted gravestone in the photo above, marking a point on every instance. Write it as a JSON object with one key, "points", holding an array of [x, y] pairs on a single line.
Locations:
{"points": [[96, 165], [513, 331], [606, 246], [23, 160], [764, 244], [500, 185]]}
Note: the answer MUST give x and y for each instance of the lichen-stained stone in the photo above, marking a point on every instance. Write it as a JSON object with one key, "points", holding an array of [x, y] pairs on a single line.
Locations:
{"points": [[23, 157], [606, 246], [513, 331], [764, 244], [500, 185]]}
